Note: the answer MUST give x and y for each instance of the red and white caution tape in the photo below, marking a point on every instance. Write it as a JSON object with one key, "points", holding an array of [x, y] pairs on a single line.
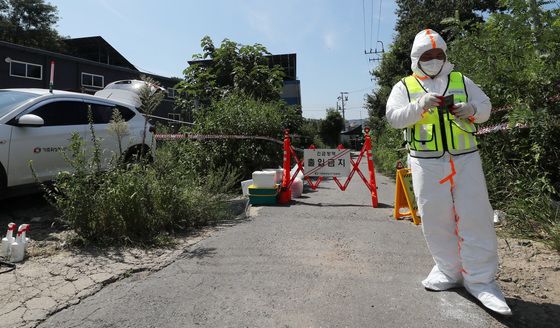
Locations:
{"points": [[169, 137], [500, 127]]}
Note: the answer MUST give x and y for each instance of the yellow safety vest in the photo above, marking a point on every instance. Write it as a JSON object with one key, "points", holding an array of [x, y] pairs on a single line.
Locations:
{"points": [[425, 138]]}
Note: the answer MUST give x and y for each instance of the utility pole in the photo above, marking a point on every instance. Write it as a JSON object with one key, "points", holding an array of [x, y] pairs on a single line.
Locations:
{"points": [[342, 99], [376, 53]]}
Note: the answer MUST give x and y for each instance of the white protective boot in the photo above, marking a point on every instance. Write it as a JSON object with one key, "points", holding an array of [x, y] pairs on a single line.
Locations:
{"points": [[439, 281], [490, 296]]}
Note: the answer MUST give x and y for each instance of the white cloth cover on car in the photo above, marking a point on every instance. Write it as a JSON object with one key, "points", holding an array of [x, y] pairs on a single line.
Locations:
{"points": [[297, 188], [293, 171]]}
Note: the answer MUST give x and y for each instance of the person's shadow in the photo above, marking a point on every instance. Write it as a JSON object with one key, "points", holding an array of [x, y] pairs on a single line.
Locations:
{"points": [[525, 313]]}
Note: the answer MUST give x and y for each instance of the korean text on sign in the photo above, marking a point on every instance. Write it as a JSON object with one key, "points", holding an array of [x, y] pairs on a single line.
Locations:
{"points": [[327, 162]]}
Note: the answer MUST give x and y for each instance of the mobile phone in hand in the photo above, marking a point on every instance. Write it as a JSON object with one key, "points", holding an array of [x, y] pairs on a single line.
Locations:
{"points": [[448, 102]]}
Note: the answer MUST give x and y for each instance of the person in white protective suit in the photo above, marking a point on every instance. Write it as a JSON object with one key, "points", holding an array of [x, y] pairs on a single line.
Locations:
{"points": [[447, 174]]}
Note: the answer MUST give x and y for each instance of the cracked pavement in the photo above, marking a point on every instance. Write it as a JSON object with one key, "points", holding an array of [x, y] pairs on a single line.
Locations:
{"points": [[41, 286]]}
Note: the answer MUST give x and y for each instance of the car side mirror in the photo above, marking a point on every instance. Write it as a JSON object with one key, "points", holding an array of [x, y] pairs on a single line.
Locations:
{"points": [[30, 120]]}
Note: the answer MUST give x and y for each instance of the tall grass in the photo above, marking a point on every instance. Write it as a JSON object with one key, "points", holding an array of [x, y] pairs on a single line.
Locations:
{"points": [[137, 202]]}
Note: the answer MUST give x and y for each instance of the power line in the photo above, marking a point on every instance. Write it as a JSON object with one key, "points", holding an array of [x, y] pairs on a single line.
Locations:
{"points": [[364, 12], [379, 18], [377, 54], [371, 28]]}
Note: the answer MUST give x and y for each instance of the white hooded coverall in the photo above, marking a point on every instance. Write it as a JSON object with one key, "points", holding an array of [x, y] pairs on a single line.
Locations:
{"points": [[456, 221]]}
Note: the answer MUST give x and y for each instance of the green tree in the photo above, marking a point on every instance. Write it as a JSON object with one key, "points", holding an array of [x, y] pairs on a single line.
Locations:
{"points": [[310, 133], [514, 57], [412, 17], [330, 127], [30, 23], [521, 61], [238, 114], [232, 67]]}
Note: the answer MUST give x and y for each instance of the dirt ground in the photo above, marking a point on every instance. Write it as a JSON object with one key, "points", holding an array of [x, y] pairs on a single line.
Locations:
{"points": [[530, 278], [529, 271], [46, 235]]}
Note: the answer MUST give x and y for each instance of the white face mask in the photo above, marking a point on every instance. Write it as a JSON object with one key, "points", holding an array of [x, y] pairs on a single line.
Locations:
{"points": [[432, 67]]}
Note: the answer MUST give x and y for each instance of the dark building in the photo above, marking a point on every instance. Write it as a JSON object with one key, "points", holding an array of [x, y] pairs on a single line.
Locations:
{"points": [[291, 92], [88, 65], [98, 50]]}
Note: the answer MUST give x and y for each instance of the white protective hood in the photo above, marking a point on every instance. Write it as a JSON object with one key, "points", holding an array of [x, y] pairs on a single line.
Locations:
{"points": [[424, 41]]}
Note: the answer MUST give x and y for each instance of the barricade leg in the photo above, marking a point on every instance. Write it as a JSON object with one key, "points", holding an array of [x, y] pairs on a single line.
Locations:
{"points": [[371, 168], [285, 196]]}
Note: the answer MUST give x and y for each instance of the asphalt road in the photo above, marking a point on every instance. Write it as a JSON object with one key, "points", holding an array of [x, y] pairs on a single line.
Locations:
{"points": [[329, 260]]}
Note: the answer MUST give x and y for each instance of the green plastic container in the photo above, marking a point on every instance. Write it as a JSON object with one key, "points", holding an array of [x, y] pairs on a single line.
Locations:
{"points": [[253, 190], [262, 199]]}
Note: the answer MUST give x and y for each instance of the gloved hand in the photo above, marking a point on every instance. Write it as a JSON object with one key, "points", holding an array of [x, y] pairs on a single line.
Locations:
{"points": [[429, 100], [463, 110]]}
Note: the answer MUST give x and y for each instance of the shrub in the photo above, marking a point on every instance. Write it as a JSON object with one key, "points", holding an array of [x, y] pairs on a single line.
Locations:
{"points": [[130, 203], [137, 202], [238, 114], [521, 167], [387, 148]]}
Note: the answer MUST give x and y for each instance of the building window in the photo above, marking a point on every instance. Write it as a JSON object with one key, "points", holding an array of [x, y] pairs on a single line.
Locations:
{"points": [[92, 80], [26, 70], [171, 93]]}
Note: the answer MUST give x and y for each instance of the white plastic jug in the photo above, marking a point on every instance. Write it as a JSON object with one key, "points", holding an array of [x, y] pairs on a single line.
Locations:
{"points": [[23, 229], [8, 240], [17, 250]]}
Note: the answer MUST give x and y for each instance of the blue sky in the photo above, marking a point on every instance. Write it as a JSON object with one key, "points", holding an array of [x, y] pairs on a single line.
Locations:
{"points": [[327, 35]]}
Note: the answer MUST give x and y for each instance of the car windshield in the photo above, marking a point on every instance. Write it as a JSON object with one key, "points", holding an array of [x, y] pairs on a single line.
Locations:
{"points": [[11, 99]]}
